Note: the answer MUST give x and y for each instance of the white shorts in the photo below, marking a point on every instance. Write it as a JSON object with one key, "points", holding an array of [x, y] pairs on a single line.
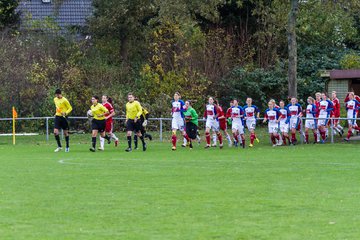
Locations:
{"points": [[177, 124], [284, 127], [294, 122], [251, 124], [212, 124], [352, 122], [310, 124], [238, 126], [323, 122], [273, 127]]}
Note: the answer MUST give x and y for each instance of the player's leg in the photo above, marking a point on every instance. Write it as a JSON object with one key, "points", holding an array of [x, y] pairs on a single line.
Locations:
{"points": [[208, 137], [174, 127], [93, 139], [350, 130], [57, 127], [129, 129], [214, 138]]}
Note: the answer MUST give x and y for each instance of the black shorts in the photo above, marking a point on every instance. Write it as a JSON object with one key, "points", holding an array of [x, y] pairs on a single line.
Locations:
{"points": [[61, 123], [191, 130], [133, 126], [98, 125]]}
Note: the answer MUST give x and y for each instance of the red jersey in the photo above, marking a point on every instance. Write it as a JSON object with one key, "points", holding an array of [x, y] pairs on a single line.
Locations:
{"points": [[228, 113], [110, 108], [317, 104], [336, 111], [221, 114]]}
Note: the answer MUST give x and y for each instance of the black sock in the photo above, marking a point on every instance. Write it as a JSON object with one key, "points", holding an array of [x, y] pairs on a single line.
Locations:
{"points": [[107, 137], [136, 141], [129, 141], [142, 140], [93, 142], [57, 137], [67, 141]]}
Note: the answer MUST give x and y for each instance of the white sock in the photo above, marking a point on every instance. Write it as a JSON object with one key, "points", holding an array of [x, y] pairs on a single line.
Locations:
{"points": [[185, 141], [228, 138], [214, 139], [340, 127], [113, 136], [102, 142]]}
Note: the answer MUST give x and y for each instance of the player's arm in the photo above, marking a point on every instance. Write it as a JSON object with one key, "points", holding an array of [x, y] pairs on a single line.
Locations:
{"points": [[104, 111], [330, 106], [139, 110], [257, 112], [265, 117], [69, 107]]}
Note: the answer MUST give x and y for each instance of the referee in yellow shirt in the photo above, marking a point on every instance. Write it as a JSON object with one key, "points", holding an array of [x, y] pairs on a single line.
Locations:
{"points": [[98, 123], [133, 124], [63, 109]]}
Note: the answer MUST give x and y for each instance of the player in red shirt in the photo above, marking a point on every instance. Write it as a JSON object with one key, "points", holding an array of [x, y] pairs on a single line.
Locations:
{"points": [[357, 98], [107, 103], [317, 104], [335, 114], [228, 117], [222, 121]]}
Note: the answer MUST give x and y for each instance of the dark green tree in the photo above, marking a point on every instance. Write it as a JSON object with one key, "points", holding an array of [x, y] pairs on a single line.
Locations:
{"points": [[9, 18]]}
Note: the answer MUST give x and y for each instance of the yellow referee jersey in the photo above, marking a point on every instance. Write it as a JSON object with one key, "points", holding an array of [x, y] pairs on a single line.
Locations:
{"points": [[62, 106], [99, 111], [133, 109]]}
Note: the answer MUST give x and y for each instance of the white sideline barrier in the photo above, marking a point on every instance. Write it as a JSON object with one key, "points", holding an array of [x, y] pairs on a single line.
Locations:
{"points": [[161, 123]]}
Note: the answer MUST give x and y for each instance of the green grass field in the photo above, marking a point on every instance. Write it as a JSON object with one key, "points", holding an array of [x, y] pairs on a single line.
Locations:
{"points": [[301, 192]]}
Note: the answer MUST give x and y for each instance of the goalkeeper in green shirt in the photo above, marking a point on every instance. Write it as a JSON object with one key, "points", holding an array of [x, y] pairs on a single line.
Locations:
{"points": [[191, 119]]}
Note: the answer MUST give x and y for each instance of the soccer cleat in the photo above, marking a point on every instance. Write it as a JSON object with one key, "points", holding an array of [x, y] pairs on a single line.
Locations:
{"points": [[173, 148], [214, 145], [183, 145], [274, 145], [116, 143], [144, 147], [101, 149], [243, 145], [346, 139], [207, 146], [92, 149], [67, 149], [136, 148], [322, 141], [128, 150], [251, 145], [294, 142], [279, 144], [257, 140], [221, 146], [58, 149], [191, 146], [236, 144], [109, 140]]}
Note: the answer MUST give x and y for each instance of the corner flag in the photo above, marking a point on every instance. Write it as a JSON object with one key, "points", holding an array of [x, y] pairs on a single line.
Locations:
{"points": [[14, 116]]}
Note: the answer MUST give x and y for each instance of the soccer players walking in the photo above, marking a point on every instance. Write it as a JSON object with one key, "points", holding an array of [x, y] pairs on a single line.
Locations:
{"points": [[310, 122], [252, 112], [177, 123], [336, 114], [191, 118], [352, 106], [326, 107], [63, 109], [133, 114], [237, 115], [98, 122], [212, 123], [283, 120], [295, 115], [109, 125], [272, 115]]}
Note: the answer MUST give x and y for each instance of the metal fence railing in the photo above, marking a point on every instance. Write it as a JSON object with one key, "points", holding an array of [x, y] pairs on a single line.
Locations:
{"points": [[42, 125]]}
